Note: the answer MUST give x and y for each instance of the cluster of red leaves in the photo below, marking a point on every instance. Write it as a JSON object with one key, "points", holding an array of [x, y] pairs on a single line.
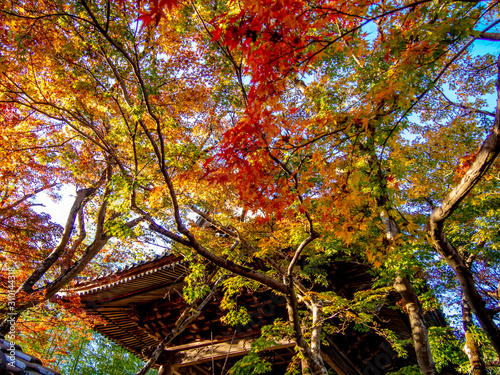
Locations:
{"points": [[463, 167], [276, 39], [244, 157], [155, 10], [279, 37]]}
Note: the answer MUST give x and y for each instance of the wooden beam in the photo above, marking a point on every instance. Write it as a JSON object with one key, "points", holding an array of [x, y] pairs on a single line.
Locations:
{"points": [[337, 359], [198, 368], [95, 302], [221, 350]]}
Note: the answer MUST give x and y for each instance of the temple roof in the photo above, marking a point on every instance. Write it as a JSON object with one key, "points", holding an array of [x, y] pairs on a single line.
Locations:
{"points": [[14, 361], [138, 306]]}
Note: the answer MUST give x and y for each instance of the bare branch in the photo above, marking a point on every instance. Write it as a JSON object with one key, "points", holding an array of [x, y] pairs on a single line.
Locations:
{"points": [[81, 195], [490, 36], [24, 198], [487, 113]]}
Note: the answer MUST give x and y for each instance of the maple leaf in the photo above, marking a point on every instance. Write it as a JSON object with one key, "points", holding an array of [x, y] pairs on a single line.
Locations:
{"points": [[463, 167], [155, 11]]}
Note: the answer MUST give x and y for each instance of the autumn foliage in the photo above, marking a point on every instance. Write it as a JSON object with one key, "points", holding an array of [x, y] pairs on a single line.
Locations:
{"points": [[301, 132]]}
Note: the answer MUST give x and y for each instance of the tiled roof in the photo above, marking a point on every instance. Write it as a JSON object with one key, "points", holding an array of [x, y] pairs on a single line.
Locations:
{"points": [[119, 270], [112, 297], [165, 266], [13, 361]]}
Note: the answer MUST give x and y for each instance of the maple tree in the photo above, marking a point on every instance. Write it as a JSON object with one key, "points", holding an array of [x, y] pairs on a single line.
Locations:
{"points": [[288, 127]]}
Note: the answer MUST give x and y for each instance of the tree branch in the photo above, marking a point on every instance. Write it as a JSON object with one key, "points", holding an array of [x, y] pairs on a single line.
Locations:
{"points": [[81, 196], [186, 317], [66, 263], [484, 159], [192, 243], [299, 250], [489, 36], [486, 113], [24, 198]]}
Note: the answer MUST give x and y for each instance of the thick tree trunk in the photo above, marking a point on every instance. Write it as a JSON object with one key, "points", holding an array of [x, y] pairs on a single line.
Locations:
{"points": [[475, 359], [419, 331], [81, 195], [100, 240], [418, 327], [51, 259], [57, 284]]}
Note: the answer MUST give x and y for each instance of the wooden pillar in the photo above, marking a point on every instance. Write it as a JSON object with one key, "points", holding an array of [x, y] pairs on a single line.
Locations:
{"points": [[165, 369]]}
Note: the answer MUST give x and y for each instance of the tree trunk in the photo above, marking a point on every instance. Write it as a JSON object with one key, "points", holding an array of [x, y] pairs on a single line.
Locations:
{"points": [[405, 288], [475, 359], [418, 326], [313, 362], [467, 283]]}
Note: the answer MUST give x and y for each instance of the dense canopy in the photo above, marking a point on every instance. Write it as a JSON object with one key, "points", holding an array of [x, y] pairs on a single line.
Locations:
{"points": [[301, 132]]}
